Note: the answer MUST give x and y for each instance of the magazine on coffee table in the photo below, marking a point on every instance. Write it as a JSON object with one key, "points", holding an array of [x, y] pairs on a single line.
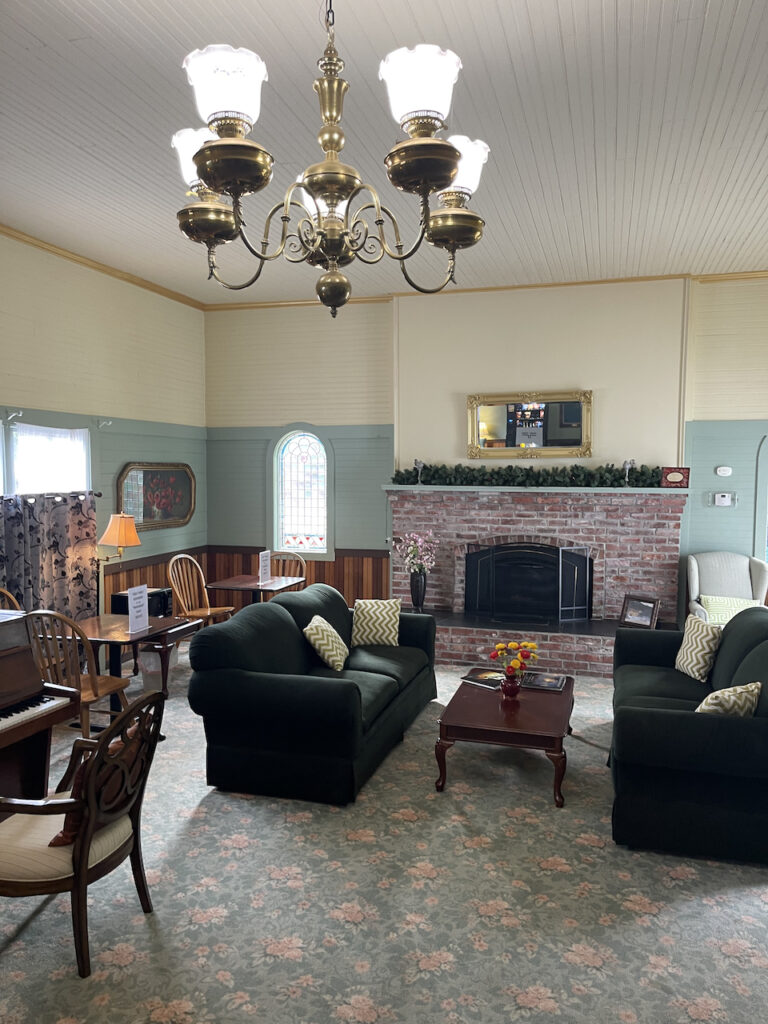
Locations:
{"points": [[542, 681], [489, 677]]}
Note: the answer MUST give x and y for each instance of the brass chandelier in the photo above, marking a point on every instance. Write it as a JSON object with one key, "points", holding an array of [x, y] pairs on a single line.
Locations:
{"points": [[321, 223]]}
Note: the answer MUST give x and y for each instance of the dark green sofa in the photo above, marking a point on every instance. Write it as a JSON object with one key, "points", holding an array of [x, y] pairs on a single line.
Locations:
{"points": [[690, 783], [279, 722]]}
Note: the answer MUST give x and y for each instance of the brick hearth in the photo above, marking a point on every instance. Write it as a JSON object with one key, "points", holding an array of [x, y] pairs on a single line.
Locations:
{"points": [[633, 537]]}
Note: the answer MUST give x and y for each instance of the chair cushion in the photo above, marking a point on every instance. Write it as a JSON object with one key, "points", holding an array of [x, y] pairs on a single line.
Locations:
{"points": [[735, 700], [327, 642], [698, 649], [25, 855], [721, 609], [376, 622], [399, 663]]}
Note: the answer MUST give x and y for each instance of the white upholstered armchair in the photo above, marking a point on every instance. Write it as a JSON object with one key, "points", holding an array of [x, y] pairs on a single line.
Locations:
{"points": [[740, 579]]}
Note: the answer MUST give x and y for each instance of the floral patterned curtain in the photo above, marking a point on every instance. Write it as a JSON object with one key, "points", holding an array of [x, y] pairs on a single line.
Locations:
{"points": [[48, 552]]}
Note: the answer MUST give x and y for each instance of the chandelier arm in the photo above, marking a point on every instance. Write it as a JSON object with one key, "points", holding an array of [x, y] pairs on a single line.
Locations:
{"points": [[262, 254], [431, 291], [397, 253], [213, 272], [298, 248]]}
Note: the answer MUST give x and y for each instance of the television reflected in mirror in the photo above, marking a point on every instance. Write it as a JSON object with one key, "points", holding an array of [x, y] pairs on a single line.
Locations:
{"points": [[530, 425]]}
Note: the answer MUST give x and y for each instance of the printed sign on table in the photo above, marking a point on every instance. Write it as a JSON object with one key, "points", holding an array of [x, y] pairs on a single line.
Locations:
{"points": [[138, 608]]}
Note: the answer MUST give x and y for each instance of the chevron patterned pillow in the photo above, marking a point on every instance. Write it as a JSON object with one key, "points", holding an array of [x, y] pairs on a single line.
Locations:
{"points": [[376, 622], [698, 649], [327, 642], [736, 700]]}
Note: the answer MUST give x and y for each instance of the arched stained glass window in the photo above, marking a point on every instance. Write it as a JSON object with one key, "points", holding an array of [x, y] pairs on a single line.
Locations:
{"points": [[302, 485]]}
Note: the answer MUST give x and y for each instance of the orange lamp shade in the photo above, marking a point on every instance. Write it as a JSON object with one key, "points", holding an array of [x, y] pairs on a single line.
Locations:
{"points": [[121, 532]]}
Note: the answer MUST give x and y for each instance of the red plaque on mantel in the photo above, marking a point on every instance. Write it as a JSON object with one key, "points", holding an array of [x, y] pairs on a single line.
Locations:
{"points": [[675, 476]]}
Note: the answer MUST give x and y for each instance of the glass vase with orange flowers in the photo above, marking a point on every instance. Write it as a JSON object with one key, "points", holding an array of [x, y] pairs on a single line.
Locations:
{"points": [[515, 657]]}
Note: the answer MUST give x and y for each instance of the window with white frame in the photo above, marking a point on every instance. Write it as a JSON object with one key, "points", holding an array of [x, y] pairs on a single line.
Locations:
{"points": [[45, 459], [301, 493]]}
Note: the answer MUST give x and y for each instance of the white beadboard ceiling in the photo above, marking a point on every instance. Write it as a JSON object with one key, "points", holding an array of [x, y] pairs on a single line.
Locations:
{"points": [[628, 137]]}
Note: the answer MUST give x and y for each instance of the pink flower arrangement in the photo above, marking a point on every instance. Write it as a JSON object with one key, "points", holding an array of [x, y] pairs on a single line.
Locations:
{"points": [[418, 552]]}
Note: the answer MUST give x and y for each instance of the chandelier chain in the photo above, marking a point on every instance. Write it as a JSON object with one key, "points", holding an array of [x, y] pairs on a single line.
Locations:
{"points": [[330, 17]]}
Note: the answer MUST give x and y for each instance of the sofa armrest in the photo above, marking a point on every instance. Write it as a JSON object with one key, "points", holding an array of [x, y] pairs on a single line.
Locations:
{"points": [[646, 647], [418, 630], [280, 710], [687, 741]]}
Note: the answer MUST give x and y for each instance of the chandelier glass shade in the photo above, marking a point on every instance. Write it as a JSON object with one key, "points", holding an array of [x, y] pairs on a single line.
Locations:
{"points": [[329, 217]]}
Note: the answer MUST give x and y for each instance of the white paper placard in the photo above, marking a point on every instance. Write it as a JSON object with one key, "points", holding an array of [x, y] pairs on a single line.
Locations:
{"points": [[138, 608], [265, 572]]}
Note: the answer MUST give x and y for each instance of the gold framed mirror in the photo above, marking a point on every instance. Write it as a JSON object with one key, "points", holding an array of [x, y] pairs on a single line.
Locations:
{"points": [[530, 425]]}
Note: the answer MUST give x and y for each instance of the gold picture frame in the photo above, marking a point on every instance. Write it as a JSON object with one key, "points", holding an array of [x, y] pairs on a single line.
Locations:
{"points": [[157, 494], [543, 424]]}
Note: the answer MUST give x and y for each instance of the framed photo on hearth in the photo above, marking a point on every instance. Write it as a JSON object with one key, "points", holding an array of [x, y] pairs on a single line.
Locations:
{"points": [[640, 612]]}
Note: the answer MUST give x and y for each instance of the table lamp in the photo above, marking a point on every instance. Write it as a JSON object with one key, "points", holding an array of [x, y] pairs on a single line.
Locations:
{"points": [[120, 533]]}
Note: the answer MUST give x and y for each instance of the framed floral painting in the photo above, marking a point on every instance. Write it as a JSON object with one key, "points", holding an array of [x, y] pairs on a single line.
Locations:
{"points": [[156, 494]]}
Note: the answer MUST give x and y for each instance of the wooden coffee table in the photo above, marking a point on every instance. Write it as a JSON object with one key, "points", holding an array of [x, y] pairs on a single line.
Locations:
{"points": [[537, 720]]}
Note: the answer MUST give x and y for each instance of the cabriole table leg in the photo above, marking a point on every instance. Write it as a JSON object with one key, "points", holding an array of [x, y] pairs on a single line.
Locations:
{"points": [[440, 748]]}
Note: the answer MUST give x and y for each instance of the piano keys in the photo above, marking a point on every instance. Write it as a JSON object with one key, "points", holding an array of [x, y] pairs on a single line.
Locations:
{"points": [[29, 708]]}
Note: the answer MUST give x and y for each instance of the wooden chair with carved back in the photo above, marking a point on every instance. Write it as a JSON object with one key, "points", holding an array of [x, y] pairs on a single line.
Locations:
{"points": [[288, 563], [91, 824], [64, 655], [189, 594], [8, 602]]}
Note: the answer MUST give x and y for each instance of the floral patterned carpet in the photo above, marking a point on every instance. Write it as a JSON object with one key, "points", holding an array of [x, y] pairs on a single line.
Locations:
{"points": [[482, 903]]}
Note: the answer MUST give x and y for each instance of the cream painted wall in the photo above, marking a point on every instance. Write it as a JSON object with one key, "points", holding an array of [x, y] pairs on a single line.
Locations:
{"points": [[280, 365], [622, 341], [76, 340], [728, 351]]}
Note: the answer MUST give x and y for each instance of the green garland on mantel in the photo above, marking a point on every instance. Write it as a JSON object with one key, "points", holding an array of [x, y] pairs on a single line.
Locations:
{"points": [[527, 476]]}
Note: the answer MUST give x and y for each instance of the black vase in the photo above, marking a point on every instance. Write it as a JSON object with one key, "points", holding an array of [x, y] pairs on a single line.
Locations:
{"points": [[418, 590]]}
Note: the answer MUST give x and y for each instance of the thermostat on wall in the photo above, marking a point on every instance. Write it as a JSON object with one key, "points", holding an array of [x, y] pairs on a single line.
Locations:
{"points": [[725, 499]]}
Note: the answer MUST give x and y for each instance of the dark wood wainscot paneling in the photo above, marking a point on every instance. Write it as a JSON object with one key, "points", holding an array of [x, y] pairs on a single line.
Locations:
{"points": [[356, 574]]}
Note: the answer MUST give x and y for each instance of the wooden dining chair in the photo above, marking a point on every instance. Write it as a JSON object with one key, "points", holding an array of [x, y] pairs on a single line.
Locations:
{"points": [[188, 584], [8, 602], [288, 563], [91, 824], [64, 655]]}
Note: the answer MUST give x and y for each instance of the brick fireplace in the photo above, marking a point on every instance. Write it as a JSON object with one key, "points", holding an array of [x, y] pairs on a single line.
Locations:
{"points": [[633, 537]]}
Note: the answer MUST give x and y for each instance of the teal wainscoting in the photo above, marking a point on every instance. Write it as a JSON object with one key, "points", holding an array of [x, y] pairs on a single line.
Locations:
{"points": [[742, 445], [360, 461]]}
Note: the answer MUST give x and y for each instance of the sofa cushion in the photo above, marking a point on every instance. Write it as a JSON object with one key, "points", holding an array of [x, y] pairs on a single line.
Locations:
{"points": [[399, 663], [376, 622], [259, 638], [722, 609], [327, 642], [376, 691], [643, 686], [733, 700], [698, 649], [318, 599]]}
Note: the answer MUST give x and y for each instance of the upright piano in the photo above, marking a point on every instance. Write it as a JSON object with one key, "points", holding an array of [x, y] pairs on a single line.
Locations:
{"points": [[29, 709]]}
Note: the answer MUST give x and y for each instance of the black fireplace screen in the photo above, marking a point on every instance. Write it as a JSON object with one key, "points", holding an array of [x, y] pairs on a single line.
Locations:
{"points": [[529, 583]]}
